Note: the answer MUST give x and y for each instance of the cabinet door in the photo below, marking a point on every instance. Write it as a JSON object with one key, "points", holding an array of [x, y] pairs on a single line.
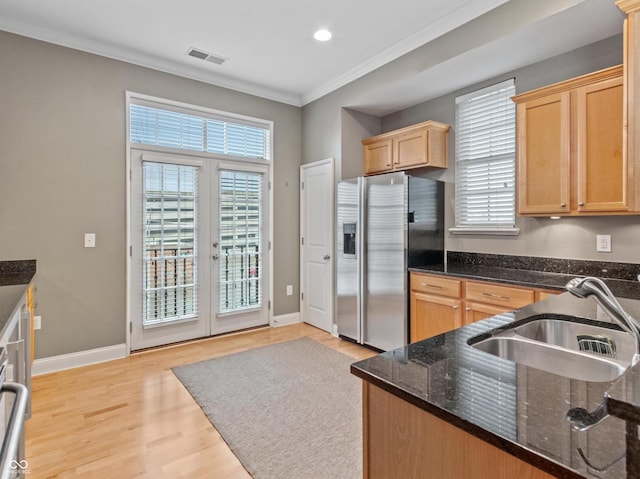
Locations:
{"points": [[433, 315], [477, 311], [377, 157], [601, 160], [410, 149], [544, 133]]}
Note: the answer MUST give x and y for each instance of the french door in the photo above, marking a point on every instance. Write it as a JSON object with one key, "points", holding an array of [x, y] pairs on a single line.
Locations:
{"points": [[199, 263]]}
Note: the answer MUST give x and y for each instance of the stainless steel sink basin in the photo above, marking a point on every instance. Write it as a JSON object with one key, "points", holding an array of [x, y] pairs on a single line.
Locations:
{"points": [[587, 351]]}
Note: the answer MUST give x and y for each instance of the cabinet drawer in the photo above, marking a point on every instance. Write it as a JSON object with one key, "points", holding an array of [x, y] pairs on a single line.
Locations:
{"points": [[436, 285], [500, 295]]}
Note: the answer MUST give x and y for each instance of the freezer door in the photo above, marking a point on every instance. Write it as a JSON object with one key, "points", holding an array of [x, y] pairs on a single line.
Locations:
{"points": [[426, 222], [385, 274], [348, 248]]}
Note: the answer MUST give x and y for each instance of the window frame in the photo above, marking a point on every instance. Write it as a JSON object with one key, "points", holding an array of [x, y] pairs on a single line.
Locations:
{"points": [[268, 166], [488, 227]]}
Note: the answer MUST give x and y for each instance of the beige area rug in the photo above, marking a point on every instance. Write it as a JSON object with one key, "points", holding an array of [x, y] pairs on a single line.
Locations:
{"points": [[290, 410]]}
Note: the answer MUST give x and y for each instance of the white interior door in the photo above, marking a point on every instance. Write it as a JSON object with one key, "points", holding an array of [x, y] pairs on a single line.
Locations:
{"points": [[317, 233], [199, 233]]}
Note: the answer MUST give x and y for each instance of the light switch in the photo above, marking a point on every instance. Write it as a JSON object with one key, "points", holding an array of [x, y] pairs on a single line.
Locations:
{"points": [[89, 240]]}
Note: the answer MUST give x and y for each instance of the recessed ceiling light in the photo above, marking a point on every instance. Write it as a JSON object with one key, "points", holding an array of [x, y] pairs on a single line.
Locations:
{"points": [[322, 35]]}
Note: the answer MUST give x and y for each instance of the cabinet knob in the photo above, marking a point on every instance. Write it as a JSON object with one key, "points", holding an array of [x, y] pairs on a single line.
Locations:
{"points": [[581, 203], [455, 307], [467, 309], [562, 205]]}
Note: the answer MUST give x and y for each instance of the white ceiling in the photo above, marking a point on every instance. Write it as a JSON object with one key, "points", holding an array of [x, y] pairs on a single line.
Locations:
{"points": [[271, 49]]}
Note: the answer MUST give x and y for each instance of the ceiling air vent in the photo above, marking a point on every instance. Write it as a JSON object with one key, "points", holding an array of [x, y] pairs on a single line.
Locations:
{"points": [[210, 57]]}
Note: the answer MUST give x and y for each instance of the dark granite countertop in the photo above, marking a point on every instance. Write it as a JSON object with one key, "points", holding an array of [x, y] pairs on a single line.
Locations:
{"points": [[519, 409], [15, 277], [523, 277]]}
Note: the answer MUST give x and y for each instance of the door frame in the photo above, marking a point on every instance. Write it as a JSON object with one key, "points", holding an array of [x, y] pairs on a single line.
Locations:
{"points": [[129, 96], [335, 167]]}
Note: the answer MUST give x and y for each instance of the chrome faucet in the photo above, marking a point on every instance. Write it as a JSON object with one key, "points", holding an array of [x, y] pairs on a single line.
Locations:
{"points": [[580, 418], [590, 286]]}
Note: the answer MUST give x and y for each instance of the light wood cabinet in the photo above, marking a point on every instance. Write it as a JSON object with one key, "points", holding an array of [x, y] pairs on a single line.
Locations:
{"points": [[543, 154], [478, 311], [432, 315], [484, 300], [439, 304], [571, 157], [401, 440], [31, 307], [424, 144], [378, 157], [631, 120], [509, 297], [435, 304]]}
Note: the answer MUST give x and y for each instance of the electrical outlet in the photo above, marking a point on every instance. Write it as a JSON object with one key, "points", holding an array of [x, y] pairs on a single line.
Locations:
{"points": [[603, 243], [89, 240], [289, 289], [37, 322]]}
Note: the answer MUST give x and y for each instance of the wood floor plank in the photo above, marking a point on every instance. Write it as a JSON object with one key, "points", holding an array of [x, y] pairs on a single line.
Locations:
{"points": [[132, 418]]}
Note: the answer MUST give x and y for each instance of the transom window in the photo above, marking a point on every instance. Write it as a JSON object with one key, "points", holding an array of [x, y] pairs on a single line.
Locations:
{"points": [[170, 128]]}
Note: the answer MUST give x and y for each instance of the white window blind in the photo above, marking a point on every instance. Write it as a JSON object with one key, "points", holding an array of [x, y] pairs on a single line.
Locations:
{"points": [[170, 212], [190, 131], [485, 158], [240, 262]]}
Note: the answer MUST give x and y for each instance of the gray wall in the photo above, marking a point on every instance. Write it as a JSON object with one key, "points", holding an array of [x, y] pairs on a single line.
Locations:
{"points": [[62, 173], [330, 129], [564, 238]]}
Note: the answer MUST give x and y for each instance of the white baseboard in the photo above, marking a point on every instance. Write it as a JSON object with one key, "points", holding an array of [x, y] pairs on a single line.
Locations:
{"points": [[284, 319], [76, 360]]}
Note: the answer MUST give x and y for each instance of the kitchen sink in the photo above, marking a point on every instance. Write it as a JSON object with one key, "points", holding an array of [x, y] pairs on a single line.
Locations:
{"points": [[584, 350]]}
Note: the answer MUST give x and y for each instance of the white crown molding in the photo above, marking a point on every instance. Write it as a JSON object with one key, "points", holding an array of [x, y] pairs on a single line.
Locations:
{"points": [[437, 27], [130, 56]]}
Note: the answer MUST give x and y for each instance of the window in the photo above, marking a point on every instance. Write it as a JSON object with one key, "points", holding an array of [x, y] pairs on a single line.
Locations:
{"points": [[240, 240], [485, 161], [169, 242], [178, 129]]}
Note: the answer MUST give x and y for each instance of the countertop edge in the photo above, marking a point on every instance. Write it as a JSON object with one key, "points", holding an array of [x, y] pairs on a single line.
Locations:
{"points": [[492, 279], [531, 457]]}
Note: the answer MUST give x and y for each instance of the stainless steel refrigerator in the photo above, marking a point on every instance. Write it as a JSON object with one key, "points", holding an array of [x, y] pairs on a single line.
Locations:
{"points": [[386, 224]]}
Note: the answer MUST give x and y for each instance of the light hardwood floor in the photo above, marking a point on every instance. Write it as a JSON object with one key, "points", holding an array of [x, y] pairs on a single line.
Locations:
{"points": [[132, 418]]}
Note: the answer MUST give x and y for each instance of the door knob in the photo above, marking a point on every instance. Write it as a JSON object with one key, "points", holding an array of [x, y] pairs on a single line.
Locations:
{"points": [[327, 257]]}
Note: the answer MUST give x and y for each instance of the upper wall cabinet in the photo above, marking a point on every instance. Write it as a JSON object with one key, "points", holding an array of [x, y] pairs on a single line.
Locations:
{"points": [[424, 144], [632, 89], [572, 157]]}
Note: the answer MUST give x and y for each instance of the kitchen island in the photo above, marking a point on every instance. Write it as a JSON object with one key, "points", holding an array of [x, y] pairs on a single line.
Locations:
{"points": [[441, 408]]}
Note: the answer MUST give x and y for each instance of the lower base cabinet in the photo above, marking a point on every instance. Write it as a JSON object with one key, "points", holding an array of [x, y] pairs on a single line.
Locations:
{"points": [[403, 441], [433, 315], [440, 304]]}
